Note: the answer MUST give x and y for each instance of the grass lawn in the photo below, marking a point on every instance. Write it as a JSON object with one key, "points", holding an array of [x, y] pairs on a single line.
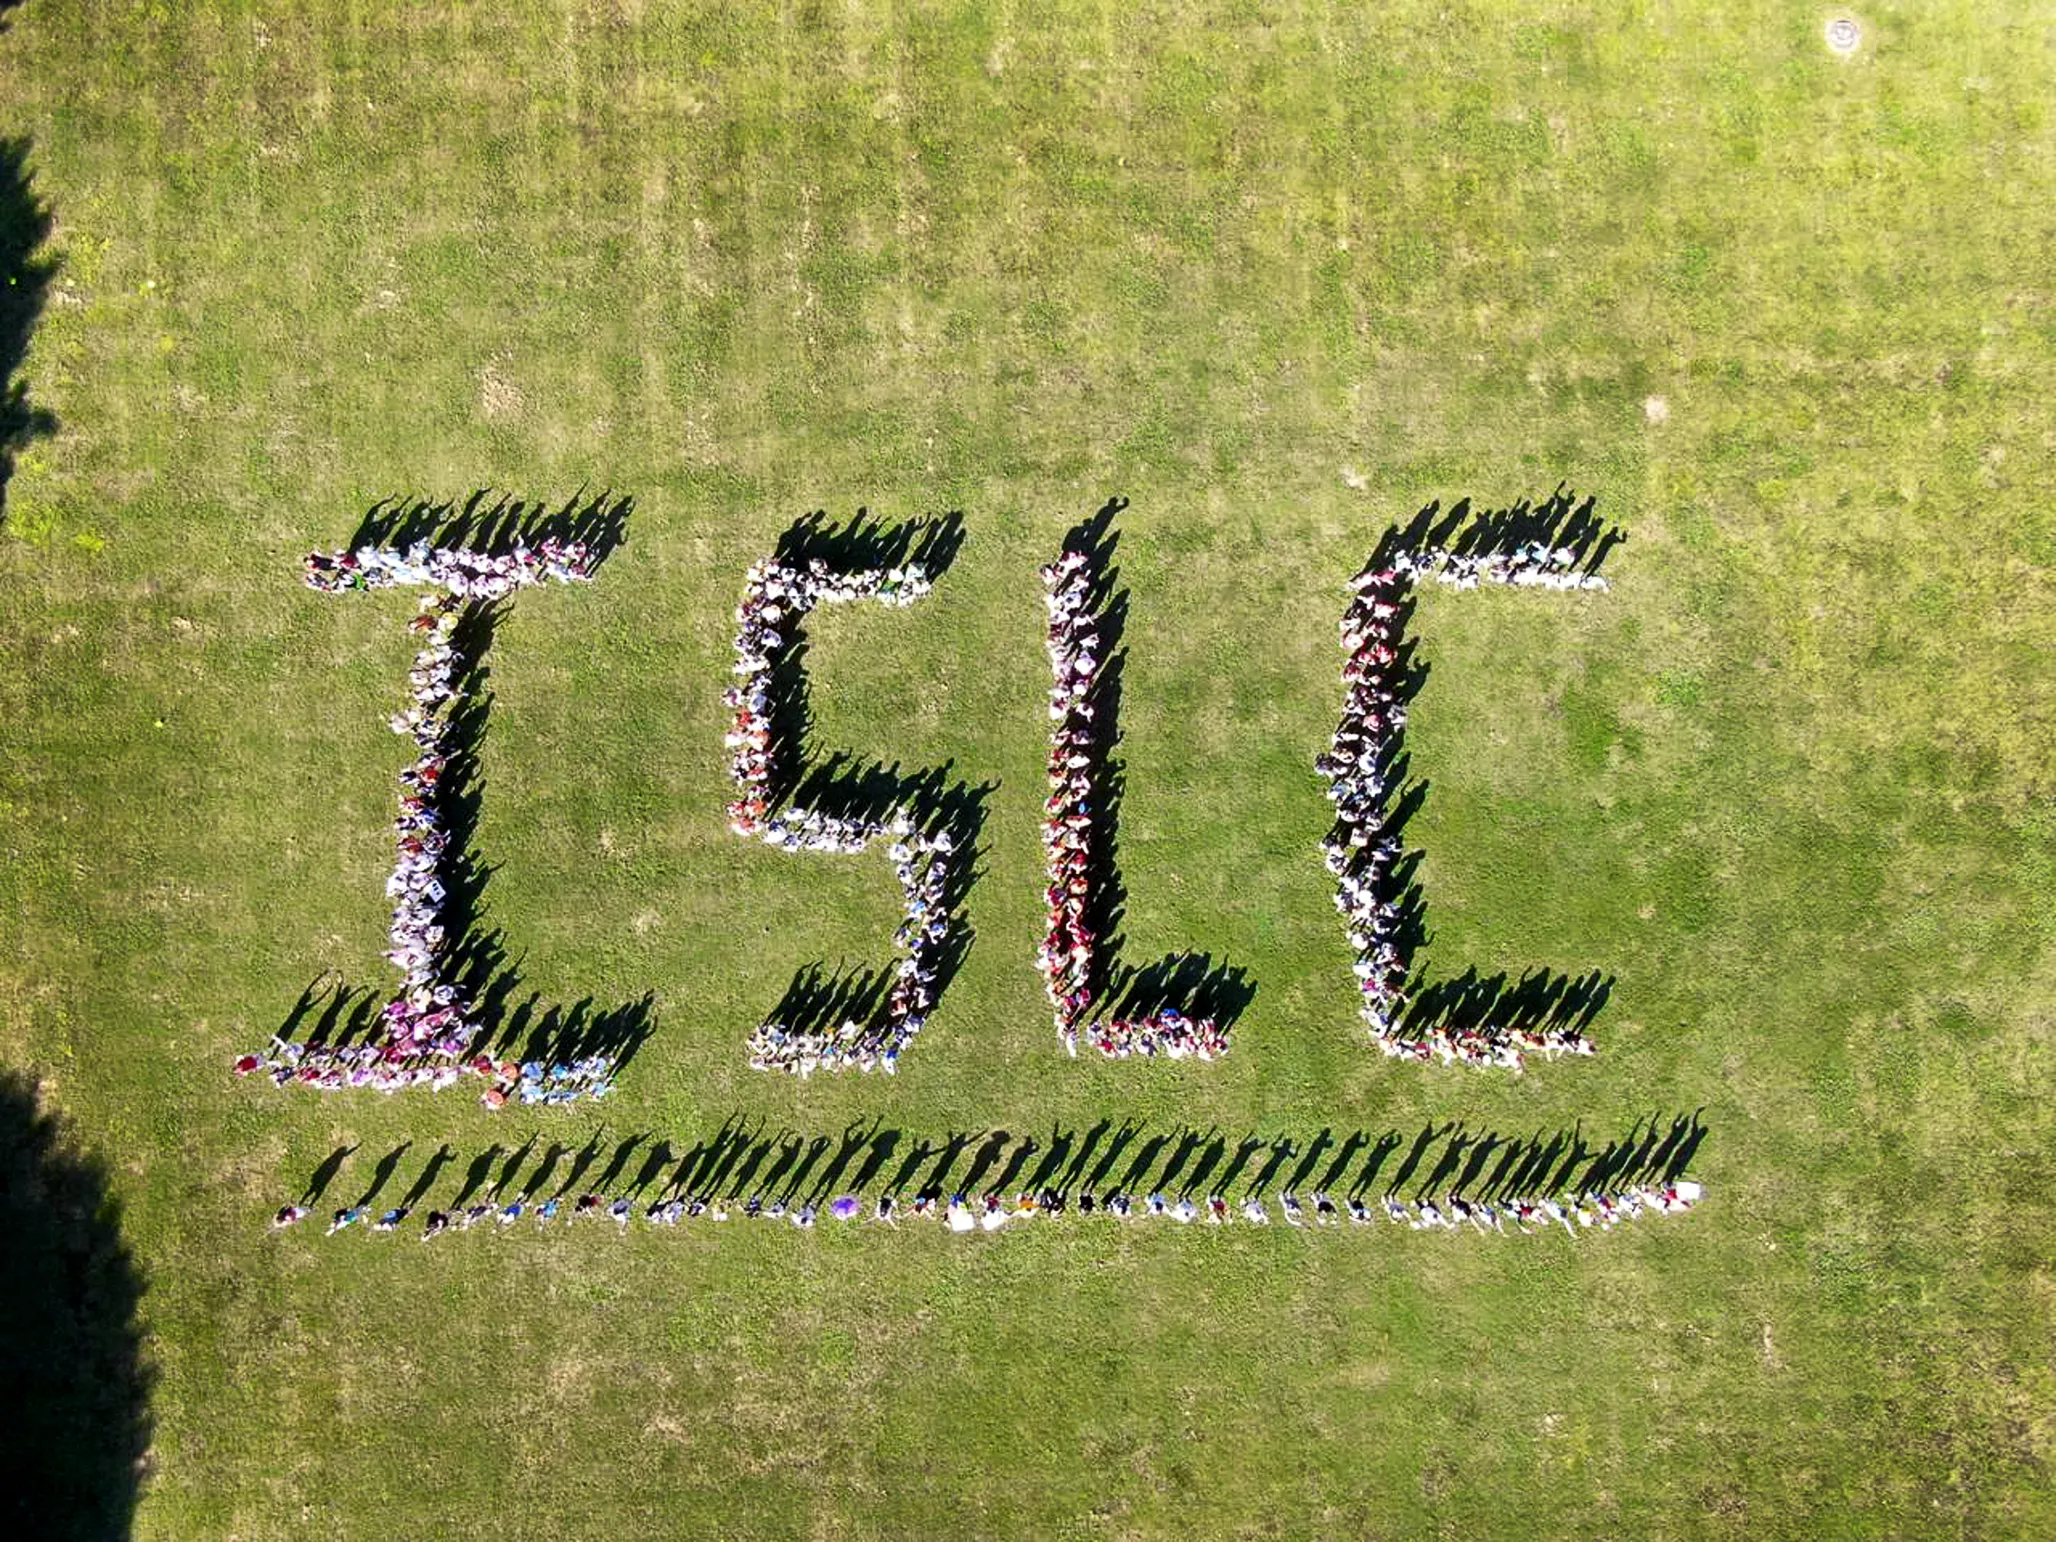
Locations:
{"points": [[1279, 275]]}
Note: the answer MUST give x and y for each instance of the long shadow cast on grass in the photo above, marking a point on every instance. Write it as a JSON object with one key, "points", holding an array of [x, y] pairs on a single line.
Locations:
{"points": [[738, 1160]]}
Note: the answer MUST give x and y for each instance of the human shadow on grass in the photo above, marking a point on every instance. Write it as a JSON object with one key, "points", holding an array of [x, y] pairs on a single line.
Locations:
{"points": [[1561, 522], [1538, 1001], [332, 1164], [865, 543], [425, 1183], [494, 523], [74, 1383], [1188, 983], [474, 958], [382, 1174], [24, 227], [822, 998], [739, 1161]]}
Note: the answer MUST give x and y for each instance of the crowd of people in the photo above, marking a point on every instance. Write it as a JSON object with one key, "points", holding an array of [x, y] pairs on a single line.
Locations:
{"points": [[776, 599], [962, 1212], [1362, 850], [466, 575], [1533, 565], [425, 1035], [1068, 958], [381, 1067]]}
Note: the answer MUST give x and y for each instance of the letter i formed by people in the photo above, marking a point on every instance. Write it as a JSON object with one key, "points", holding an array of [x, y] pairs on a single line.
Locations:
{"points": [[427, 1034]]}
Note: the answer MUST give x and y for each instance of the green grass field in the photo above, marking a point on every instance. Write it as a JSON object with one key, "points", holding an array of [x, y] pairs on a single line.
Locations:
{"points": [[1280, 275]]}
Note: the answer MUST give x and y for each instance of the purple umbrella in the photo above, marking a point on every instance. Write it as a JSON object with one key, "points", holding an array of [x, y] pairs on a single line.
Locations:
{"points": [[845, 1208]]}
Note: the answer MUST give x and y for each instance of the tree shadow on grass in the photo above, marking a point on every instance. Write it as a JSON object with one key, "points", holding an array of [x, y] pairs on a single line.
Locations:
{"points": [[24, 226], [74, 1388]]}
